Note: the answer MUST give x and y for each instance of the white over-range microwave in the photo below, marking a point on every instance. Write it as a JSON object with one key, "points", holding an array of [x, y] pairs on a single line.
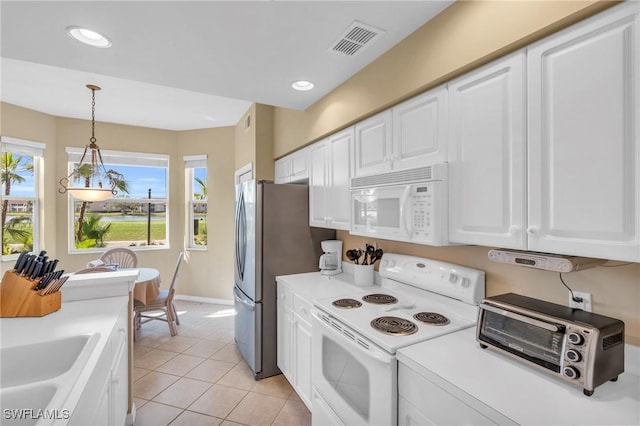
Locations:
{"points": [[404, 205]]}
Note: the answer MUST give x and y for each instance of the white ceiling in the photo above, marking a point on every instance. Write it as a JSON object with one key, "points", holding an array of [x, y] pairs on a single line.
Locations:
{"points": [[187, 64]]}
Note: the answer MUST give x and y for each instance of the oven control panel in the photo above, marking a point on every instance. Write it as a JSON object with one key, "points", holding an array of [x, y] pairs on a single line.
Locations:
{"points": [[422, 211], [456, 281]]}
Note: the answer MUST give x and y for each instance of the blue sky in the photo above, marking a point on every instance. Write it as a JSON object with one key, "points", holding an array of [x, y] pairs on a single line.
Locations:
{"points": [[140, 180]]}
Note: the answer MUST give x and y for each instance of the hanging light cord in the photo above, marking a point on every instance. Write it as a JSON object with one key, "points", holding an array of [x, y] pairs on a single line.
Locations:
{"points": [[573, 297]]}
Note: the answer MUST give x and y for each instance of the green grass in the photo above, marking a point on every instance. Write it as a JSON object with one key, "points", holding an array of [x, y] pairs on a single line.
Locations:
{"points": [[135, 231]]}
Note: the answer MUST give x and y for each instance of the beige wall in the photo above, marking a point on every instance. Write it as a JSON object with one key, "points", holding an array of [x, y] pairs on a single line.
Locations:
{"points": [[211, 271], [615, 290], [462, 37], [214, 277], [254, 141]]}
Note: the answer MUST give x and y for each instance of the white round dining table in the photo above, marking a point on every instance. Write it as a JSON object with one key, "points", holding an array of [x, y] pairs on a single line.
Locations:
{"points": [[147, 285]]}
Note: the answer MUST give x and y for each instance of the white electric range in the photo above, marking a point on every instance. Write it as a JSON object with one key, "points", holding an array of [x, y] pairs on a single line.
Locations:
{"points": [[356, 336]]}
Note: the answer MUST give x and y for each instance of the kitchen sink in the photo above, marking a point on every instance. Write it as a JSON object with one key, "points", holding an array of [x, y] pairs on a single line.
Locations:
{"points": [[36, 362], [22, 405]]}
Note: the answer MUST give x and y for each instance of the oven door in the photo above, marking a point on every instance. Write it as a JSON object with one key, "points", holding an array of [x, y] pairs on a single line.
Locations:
{"points": [[382, 212], [358, 383]]}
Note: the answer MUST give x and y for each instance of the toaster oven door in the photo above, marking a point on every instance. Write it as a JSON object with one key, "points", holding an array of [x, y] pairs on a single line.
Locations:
{"points": [[535, 340]]}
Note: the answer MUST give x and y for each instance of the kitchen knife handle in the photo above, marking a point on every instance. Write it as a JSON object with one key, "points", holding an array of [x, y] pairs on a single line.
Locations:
{"points": [[36, 271]]}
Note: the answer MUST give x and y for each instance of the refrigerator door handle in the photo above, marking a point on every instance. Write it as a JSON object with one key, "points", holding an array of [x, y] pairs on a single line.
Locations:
{"points": [[243, 236], [240, 298], [241, 243]]}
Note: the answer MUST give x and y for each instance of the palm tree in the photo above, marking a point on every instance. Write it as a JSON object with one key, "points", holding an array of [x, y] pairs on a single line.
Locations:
{"points": [[93, 229], [85, 171], [12, 166], [203, 185]]}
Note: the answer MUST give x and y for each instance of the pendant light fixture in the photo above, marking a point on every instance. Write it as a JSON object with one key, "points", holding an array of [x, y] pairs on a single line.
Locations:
{"points": [[91, 181]]}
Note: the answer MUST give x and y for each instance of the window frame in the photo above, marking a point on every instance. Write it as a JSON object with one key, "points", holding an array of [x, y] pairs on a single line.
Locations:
{"points": [[192, 162], [37, 151], [119, 158]]}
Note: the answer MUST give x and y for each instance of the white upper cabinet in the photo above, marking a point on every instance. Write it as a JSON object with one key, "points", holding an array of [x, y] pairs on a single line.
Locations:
{"points": [[420, 130], [372, 146], [411, 134], [329, 197], [487, 155], [318, 184], [293, 168], [584, 135]]}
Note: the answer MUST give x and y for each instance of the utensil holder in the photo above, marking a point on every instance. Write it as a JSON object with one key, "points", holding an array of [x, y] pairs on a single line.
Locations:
{"points": [[363, 275], [19, 299]]}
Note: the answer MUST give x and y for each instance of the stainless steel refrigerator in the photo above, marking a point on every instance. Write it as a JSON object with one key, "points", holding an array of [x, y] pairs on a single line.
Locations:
{"points": [[272, 237]]}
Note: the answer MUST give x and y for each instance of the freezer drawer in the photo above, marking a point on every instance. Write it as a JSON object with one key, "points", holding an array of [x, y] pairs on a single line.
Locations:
{"points": [[248, 326]]}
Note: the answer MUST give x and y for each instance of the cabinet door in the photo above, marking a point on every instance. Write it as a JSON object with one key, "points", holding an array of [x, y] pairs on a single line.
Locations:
{"points": [[338, 201], [282, 170], [302, 362], [420, 130], [284, 333], [372, 145], [487, 156], [583, 138], [119, 387], [318, 183], [299, 169]]}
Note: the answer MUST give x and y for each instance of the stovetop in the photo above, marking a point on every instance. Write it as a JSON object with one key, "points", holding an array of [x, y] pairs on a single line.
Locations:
{"points": [[416, 313]]}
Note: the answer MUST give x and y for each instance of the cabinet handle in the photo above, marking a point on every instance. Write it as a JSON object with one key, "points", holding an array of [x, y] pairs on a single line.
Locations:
{"points": [[532, 230], [115, 380], [303, 310]]}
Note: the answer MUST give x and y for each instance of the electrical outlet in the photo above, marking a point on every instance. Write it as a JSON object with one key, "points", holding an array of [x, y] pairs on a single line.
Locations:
{"points": [[585, 305]]}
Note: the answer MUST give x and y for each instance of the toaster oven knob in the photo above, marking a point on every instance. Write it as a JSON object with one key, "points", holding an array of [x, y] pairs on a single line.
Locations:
{"points": [[576, 338], [571, 372], [573, 355]]}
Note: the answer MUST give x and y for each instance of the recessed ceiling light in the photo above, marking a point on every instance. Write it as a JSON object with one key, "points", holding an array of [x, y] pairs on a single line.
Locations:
{"points": [[302, 85], [87, 36]]}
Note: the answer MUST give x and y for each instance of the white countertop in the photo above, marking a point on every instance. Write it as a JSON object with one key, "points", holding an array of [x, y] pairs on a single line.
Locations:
{"points": [[74, 318], [313, 285], [520, 392]]}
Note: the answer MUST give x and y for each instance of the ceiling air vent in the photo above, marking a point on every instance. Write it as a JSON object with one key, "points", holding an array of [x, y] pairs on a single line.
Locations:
{"points": [[355, 38]]}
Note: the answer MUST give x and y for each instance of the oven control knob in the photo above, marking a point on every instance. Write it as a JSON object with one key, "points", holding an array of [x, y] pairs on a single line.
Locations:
{"points": [[576, 339], [573, 355], [571, 372], [383, 264]]}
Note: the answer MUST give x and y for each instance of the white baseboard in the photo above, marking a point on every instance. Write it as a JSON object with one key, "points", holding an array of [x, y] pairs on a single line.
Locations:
{"points": [[203, 299]]}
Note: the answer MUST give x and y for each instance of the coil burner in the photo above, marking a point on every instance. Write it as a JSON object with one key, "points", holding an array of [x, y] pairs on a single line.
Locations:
{"points": [[346, 303], [394, 325], [380, 299], [432, 318]]}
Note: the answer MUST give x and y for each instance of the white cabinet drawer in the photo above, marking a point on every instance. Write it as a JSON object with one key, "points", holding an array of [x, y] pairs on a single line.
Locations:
{"points": [[302, 308]]}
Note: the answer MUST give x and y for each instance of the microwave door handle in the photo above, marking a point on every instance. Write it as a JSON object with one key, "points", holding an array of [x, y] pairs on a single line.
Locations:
{"points": [[404, 208], [522, 318]]}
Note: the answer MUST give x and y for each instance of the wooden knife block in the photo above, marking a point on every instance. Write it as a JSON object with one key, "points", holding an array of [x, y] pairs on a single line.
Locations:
{"points": [[19, 299]]}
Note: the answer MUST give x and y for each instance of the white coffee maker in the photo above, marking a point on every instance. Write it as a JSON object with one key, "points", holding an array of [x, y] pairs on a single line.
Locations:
{"points": [[331, 260]]}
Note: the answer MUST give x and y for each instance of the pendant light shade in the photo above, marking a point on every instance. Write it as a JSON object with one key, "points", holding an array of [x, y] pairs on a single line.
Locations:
{"points": [[90, 180]]}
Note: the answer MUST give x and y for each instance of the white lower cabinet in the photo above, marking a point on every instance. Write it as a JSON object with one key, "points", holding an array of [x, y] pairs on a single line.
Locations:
{"points": [[423, 402], [294, 341], [104, 400]]}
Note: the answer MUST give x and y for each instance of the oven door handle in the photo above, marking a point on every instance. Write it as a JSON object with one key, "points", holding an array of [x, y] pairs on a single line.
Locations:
{"points": [[521, 318], [371, 352]]}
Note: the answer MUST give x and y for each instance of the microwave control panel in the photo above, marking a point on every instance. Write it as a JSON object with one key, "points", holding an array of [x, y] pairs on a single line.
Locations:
{"points": [[422, 212]]}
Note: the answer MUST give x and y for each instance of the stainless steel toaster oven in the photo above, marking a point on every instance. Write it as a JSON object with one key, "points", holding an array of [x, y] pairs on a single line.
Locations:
{"points": [[580, 347]]}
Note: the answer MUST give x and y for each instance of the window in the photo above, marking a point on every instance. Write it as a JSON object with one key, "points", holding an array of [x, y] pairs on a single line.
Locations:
{"points": [[196, 180], [21, 217], [136, 216]]}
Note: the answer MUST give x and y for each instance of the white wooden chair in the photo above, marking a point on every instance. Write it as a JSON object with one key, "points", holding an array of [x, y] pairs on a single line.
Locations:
{"points": [[123, 257], [163, 303]]}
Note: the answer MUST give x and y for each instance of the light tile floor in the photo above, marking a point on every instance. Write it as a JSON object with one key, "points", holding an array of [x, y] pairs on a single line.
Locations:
{"points": [[199, 378]]}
